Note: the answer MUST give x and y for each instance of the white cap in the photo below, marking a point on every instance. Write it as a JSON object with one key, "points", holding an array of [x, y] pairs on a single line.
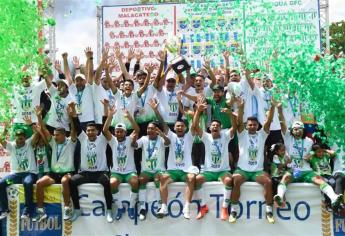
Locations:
{"points": [[298, 124], [121, 126], [80, 76], [62, 81]]}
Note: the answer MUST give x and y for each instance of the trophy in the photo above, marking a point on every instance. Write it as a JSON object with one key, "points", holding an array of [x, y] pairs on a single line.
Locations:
{"points": [[179, 63]]}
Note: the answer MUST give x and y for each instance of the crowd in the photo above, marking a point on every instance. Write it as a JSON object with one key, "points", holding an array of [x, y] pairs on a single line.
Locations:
{"points": [[151, 124]]}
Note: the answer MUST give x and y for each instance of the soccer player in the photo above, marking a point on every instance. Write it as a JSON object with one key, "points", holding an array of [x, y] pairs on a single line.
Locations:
{"points": [[62, 164], [217, 166], [251, 160], [179, 162], [152, 165], [123, 170]]}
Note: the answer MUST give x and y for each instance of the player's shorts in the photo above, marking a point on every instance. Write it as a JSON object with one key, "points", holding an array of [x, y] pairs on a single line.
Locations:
{"points": [[249, 175], [303, 177], [57, 176], [214, 176], [151, 175], [177, 175], [123, 178]]}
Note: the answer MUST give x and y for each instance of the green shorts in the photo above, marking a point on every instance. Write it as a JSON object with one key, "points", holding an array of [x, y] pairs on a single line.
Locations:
{"points": [[177, 175], [123, 178], [249, 175], [214, 176], [304, 177], [151, 175]]}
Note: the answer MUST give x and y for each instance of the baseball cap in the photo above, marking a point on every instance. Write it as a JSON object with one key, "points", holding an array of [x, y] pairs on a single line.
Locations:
{"points": [[217, 87], [121, 126], [298, 124], [80, 76], [62, 81], [19, 132]]}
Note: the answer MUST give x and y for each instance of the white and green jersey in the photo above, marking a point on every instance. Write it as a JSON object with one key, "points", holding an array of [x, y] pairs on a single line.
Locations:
{"points": [[42, 161], [339, 161], [23, 158], [251, 147], [25, 99], [123, 102], [216, 151], [57, 116], [123, 156], [144, 112], [62, 160], [99, 94], [92, 153], [84, 102], [180, 151], [153, 154], [168, 105], [298, 149]]}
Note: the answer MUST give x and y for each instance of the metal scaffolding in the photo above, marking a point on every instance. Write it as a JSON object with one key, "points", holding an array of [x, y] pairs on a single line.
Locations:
{"points": [[49, 31], [324, 23]]}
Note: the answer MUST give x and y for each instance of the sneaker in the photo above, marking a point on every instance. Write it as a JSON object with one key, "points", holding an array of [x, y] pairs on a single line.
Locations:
{"points": [[278, 200], [119, 213], [203, 211], [269, 217], [76, 214], [40, 215], [110, 216], [233, 217], [4, 214], [67, 213], [142, 214], [186, 213], [162, 213], [337, 202], [25, 215], [131, 213]]}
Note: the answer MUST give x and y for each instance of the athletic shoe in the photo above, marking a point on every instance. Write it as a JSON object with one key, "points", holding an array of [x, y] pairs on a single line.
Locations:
{"points": [[278, 200], [337, 202], [76, 214], [224, 215], [4, 214], [25, 215], [119, 213], [142, 214], [131, 213], [67, 213], [269, 217], [40, 215], [233, 217], [109, 216], [203, 211], [186, 213], [162, 212]]}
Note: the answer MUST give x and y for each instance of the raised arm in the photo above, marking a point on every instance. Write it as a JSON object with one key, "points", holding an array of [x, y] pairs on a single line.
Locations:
{"points": [[240, 125], [134, 124], [101, 66], [161, 59], [154, 105], [66, 69], [89, 64], [209, 70], [35, 135], [76, 64], [201, 107], [226, 55], [281, 118], [118, 56], [232, 117], [130, 56], [138, 56], [270, 115], [106, 132], [57, 66], [162, 80], [163, 135], [3, 136], [149, 68], [72, 114], [249, 78], [44, 130], [179, 100]]}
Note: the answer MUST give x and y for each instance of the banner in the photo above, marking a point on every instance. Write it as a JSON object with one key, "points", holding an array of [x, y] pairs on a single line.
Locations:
{"points": [[5, 167], [207, 29], [303, 215]]}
